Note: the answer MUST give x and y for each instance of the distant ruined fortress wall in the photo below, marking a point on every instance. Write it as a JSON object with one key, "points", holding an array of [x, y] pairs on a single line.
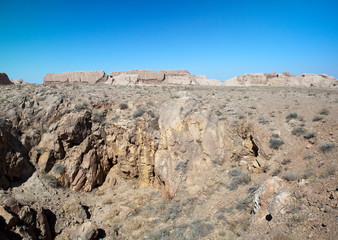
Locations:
{"points": [[183, 77], [133, 77], [284, 79]]}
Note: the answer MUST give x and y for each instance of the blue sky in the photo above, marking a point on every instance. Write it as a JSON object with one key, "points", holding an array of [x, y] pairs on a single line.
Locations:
{"points": [[220, 39]]}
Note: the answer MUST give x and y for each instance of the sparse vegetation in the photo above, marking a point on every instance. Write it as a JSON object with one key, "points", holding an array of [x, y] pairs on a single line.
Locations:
{"points": [[51, 180], [263, 121], [123, 106], [317, 118], [310, 135], [329, 171], [138, 113], [298, 131], [324, 111], [276, 172], [238, 178], [286, 161], [275, 143], [59, 168], [290, 176], [291, 116], [326, 147]]}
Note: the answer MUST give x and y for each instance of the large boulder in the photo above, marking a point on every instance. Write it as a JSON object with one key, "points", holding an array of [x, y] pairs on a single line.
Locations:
{"points": [[4, 80], [90, 77], [270, 202]]}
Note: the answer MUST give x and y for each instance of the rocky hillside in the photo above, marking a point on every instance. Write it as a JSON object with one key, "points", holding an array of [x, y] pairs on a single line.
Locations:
{"points": [[81, 161], [284, 79]]}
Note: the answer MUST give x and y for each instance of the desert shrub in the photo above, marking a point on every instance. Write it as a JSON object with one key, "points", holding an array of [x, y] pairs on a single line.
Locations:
{"points": [[326, 147], [154, 123], [235, 172], [286, 161], [275, 135], [290, 176], [291, 116], [218, 113], [198, 229], [324, 111], [151, 113], [123, 106], [276, 172], [218, 161], [99, 117], [241, 179], [308, 157], [59, 168], [317, 118], [80, 107], [243, 204], [181, 166], [308, 173], [252, 189], [298, 131], [172, 212], [263, 121], [52, 181], [329, 171], [275, 143], [138, 113], [310, 135]]}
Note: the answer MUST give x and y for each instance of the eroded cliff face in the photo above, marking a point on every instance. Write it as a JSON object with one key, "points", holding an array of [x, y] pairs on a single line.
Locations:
{"points": [[193, 146]]}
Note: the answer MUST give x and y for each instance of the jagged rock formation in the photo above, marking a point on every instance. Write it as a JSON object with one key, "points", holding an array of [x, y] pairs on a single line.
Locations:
{"points": [[284, 79], [90, 77], [4, 80], [14, 161]]}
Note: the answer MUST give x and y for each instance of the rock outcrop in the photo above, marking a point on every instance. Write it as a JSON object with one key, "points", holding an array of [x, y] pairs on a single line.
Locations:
{"points": [[284, 79], [90, 77], [4, 80], [14, 161], [18, 221]]}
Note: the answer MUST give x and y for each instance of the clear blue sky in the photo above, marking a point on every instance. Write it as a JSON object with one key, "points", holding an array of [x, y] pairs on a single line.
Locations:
{"points": [[220, 39]]}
